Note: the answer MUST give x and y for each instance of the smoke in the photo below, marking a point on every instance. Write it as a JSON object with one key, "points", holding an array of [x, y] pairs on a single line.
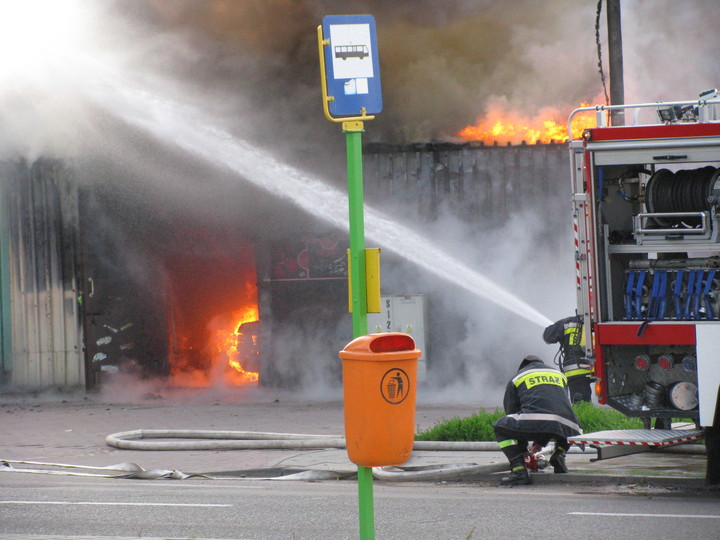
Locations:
{"points": [[442, 64], [255, 62], [252, 66], [475, 345], [669, 49]]}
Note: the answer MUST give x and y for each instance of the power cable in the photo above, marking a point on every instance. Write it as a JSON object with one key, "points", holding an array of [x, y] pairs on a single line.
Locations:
{"points": [[599, 51]]}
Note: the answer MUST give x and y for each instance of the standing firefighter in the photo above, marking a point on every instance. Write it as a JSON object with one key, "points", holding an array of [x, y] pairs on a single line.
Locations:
{"points": [[537, 408], [573, 362]]}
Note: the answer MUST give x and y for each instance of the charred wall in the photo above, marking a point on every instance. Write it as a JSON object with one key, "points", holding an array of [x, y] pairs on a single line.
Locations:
{"points": [[474, 181]]}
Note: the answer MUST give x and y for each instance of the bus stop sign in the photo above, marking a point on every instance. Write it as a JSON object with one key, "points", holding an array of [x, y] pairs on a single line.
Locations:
{"points": [[352, 64]]}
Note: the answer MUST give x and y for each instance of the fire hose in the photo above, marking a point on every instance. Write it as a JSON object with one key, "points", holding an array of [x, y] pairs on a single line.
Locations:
{"points": [[251, 440]]}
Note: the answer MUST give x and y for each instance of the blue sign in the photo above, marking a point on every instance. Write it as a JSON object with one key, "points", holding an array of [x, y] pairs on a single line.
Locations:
{"points": [[352, 65]]}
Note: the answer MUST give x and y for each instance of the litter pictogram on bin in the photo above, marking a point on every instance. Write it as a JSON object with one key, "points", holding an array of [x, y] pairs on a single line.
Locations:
{"points": [[394, 386]]}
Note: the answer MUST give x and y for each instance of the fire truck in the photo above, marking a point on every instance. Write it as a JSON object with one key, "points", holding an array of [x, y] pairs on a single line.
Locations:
{"points": [[646, 214]]}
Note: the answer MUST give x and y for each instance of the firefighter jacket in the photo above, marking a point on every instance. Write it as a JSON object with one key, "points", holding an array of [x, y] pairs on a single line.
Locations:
{"points": [[568, 332], [536, 401]]}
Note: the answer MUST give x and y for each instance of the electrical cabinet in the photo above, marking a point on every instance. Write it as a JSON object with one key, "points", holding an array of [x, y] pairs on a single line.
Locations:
{"points": [[407, 314]]}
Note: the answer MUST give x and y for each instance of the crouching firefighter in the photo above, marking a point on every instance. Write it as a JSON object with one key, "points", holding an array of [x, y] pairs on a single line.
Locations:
{"points": [[572, 360], [537, 408]]}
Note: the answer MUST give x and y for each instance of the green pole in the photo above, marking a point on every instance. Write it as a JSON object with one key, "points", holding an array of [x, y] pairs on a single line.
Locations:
{"points": [[353, 131], [357, 232], [365, 503]]}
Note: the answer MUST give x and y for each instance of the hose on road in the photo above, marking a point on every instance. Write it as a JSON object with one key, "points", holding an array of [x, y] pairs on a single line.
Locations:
{"points": [[147, 439]]}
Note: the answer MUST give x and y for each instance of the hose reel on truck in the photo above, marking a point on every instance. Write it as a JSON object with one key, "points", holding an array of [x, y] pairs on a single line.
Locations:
{"points": [[682, 201]]}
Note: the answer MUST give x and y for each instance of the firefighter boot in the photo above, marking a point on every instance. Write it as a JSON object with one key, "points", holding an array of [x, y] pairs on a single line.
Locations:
{"points": [[557, 460], [518, 476]]}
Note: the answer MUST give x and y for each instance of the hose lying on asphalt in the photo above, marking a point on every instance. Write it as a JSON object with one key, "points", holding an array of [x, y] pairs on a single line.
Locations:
{"points": [[434, 473], [219, 440], [249, 440], [256, 440], [121, 470]]}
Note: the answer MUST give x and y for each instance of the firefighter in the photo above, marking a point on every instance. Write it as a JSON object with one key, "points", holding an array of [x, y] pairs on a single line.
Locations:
{"points": [[572, 362], [537, 408]]}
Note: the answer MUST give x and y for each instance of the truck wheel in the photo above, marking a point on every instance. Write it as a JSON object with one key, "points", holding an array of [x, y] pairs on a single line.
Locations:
{"points": [[712, 445]]}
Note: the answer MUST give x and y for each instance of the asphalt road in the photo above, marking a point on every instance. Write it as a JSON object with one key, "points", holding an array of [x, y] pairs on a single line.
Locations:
{"points": [[60, 507]]}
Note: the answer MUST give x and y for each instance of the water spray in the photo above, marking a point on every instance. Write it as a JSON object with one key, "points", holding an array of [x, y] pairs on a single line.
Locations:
{"points": [[185, 127], [109, 86]]}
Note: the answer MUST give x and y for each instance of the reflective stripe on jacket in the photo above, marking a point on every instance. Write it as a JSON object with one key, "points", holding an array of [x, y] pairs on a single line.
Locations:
{"points": [[536, 401], [569, 334]]}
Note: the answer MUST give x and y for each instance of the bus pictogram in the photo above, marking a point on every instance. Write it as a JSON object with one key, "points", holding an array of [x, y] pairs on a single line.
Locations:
{"points": [[351, 51]]}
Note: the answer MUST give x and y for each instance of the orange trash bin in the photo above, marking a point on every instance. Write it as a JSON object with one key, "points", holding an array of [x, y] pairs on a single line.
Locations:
{"points": [[379, 386]]}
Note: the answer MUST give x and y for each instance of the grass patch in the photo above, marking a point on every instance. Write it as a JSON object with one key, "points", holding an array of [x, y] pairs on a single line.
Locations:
{"points": [[594, 418], [478, 427]]}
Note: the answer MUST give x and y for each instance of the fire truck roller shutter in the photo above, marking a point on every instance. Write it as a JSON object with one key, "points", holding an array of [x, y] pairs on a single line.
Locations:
{"points": [[707, 336], [712, 432]]}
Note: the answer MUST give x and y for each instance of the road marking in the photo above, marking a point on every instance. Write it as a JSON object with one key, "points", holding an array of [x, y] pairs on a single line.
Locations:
{"points": [[93, 503], [619, 514], [214, 485]]}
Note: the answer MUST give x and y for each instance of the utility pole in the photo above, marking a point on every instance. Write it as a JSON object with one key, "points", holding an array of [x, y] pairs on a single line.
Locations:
{"points": [[617, 90]]}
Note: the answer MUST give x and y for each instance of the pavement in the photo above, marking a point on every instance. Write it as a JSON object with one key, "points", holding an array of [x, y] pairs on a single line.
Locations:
{"points": [[70, 430]]}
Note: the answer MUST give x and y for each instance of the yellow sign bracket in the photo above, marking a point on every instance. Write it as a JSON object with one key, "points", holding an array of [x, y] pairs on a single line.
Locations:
{"points": [[349, 123]]}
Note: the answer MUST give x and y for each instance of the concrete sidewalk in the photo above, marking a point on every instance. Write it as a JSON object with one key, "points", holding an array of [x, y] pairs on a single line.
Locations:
{"points": [[72, 430]]}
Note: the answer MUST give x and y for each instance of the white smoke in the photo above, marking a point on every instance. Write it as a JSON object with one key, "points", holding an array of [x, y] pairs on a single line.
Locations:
{"points": [[255, 73], [670, 49]]}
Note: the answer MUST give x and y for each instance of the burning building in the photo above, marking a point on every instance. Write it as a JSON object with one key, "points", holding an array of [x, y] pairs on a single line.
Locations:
{"points": [[148, 236], [101, 281]]}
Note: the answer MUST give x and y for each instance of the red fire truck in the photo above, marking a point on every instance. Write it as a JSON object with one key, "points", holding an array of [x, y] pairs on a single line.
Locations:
{"points": [[646, 200]]}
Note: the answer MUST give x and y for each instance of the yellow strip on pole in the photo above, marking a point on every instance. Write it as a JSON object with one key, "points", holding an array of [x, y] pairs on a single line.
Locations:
{"points": [[372, 280]]}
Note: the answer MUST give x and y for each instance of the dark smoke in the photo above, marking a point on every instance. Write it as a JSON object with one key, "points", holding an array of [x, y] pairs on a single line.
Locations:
{"points": [[442, 63]]}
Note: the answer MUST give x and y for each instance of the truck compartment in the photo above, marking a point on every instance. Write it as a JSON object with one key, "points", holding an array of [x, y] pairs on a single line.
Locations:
{"points": [[655, 381]]}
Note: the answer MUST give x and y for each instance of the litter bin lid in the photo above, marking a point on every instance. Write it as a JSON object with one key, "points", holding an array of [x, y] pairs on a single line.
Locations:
{"points": [[384, 346]]}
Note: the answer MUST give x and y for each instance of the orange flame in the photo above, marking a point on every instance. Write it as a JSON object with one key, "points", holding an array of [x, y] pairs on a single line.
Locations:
{"points": [[210, 294], [508, 127], [227, 359], [230, 346]]}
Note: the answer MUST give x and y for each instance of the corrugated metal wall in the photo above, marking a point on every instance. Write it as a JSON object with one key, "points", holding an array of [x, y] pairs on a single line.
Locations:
{"points": [[472, 181], [40, 252]]}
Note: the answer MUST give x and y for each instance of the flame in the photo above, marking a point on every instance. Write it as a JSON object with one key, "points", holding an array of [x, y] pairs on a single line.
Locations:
{"points": [[508, 127], [227, 359], [239, 376], [209, 297]]}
